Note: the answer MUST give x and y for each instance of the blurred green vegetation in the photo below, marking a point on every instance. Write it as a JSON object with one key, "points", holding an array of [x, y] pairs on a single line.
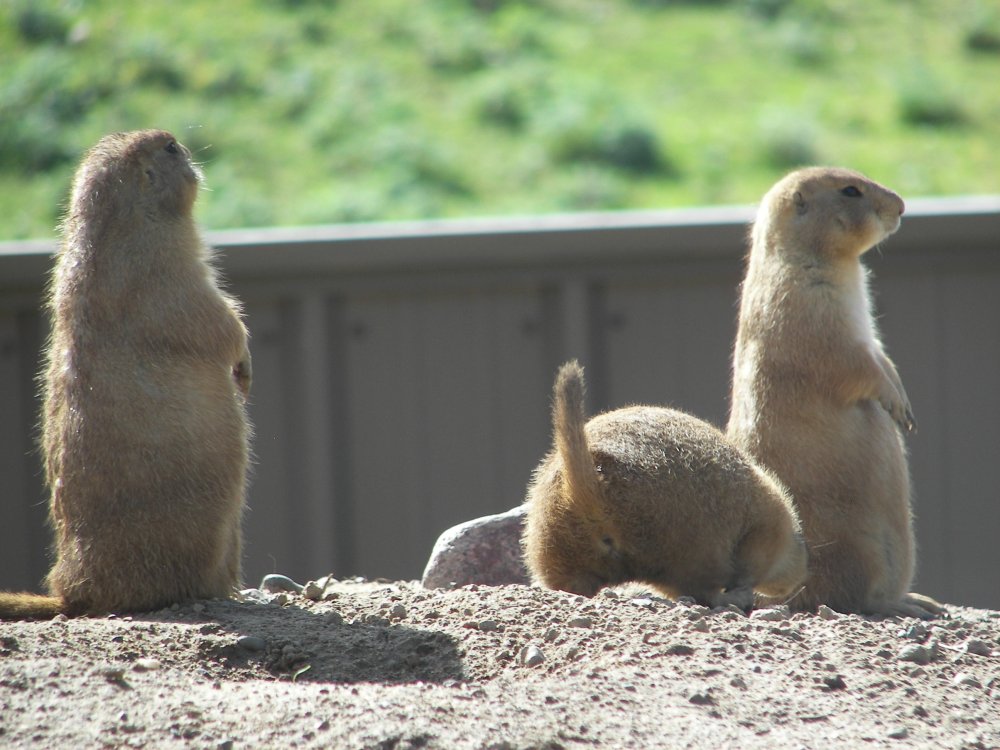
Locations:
{"points": [[311, 111]]}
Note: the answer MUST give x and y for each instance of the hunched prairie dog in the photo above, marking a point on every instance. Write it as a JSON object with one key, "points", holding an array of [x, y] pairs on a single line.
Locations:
{"points": [[654, 495], [816, 400], [145, 434]]}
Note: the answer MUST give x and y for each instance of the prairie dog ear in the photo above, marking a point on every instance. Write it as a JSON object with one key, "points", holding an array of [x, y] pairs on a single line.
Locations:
{"points": [[800, 202]]}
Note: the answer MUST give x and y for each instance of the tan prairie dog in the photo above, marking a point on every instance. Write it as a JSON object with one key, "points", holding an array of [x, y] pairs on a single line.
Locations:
{"points": [[816, 400], [145, 435], [654, 495]]}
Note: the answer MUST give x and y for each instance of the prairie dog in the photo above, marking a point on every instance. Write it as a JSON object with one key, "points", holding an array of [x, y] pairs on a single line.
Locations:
{"points": [[144, 428], [816, 400], [657, 496]]}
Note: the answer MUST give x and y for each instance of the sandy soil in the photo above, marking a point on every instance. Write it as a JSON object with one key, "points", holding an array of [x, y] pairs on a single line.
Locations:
{"points": [[390, 665]]}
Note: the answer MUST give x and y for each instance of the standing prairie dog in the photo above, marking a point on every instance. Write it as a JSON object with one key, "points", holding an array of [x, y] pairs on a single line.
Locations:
{"points": [[816, 400], [145, 435], [657, 496]]}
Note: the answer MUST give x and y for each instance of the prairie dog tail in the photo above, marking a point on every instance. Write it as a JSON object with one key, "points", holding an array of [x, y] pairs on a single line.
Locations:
{"points": [[568, 420], [18, 606]]}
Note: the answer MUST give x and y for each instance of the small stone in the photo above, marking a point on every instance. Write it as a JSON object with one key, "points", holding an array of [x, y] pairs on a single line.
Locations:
{"points": [[580, 622], [834, 682], [739, 683], [899, 733], [254, 596], [8, 645], [915, 653], [146, 665], [550, 635], [397, 611], [825, 613], [916, 632], [112, 673], [312, 591], [701, 699], [679, 649], [487, 626], [226, 745], [701, 625], [977, 647], [609, 593], [251, 643], [323, 725], [964, 679], [771, 614], [531, 656], [275, 584], [643, 602]]}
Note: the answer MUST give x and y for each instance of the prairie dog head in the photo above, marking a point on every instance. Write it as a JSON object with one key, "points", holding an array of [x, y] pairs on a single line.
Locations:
{"points": [[144, 176], [826, 212]]}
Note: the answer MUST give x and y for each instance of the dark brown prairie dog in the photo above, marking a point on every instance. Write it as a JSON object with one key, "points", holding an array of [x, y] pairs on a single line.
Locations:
{"points": [[145, 435], [816, 400], [657, 496]]}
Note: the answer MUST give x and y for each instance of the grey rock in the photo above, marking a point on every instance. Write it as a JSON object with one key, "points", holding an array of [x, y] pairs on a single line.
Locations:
{"points": [[916, 632], [916, 653], [966, 679], [397, 611], [484, 551], [772, 614], [312, 591], [826, 613], [531, 656], [701, 699], [276, 583], [679, 649], [251, 643], [977, 647]]}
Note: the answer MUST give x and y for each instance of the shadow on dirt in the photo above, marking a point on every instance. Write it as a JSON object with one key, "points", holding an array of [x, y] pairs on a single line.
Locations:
{"points": [[245, 640]]}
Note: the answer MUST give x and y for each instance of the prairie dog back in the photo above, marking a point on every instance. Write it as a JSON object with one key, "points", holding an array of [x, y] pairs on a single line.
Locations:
{"points": [[654, 495], [145, 434]]}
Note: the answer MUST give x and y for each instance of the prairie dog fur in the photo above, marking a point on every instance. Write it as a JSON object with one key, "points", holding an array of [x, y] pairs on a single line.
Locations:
{"points": [[654, 495], [816, 400], [144, 429]]}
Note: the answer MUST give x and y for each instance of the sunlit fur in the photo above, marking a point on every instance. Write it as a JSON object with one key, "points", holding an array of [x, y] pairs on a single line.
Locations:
{"points": [[144, 431], [815, 399], [654, 495]]}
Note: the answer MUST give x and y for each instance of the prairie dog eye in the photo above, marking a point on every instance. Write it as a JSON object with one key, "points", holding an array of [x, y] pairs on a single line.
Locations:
{"points": [[171, 148], [851, 192]]}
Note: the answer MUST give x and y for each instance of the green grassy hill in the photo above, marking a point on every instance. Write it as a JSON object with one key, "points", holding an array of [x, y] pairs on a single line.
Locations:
{"points": [[309, 112]]}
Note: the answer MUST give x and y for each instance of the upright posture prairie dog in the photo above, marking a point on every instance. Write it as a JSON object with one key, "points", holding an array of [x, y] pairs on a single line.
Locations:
{"points": [[815, 399], [654, 495], [145, 435]]}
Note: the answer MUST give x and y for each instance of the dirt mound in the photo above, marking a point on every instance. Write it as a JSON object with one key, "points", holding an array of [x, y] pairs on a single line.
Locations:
{"points": [[393, 665]]}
